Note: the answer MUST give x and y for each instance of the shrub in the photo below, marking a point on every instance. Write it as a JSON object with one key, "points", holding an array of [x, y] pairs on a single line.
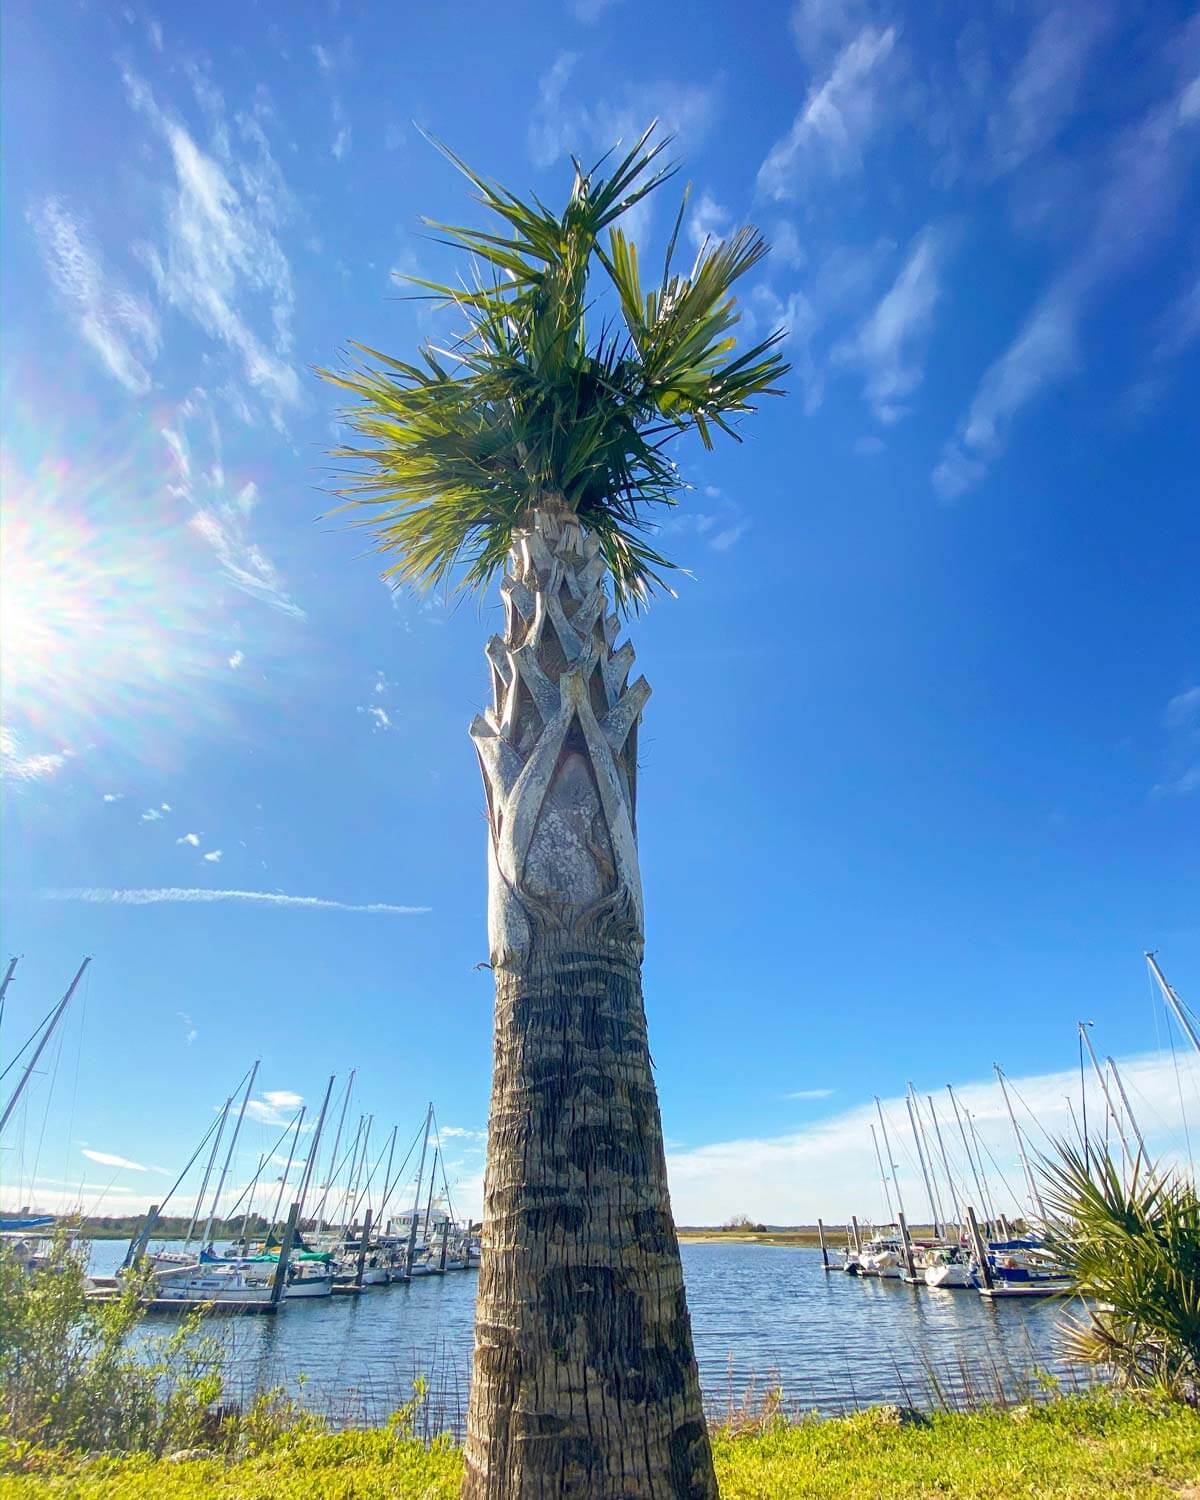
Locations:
{"points": [[71, 1376], [1135, 1251]]}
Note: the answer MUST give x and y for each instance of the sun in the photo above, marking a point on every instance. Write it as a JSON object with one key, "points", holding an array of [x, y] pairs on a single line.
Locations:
{"points": [[107, 621]]}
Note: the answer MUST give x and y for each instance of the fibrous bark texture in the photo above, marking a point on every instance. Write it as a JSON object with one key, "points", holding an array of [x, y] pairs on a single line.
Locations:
{"points": [[584, 1380]]}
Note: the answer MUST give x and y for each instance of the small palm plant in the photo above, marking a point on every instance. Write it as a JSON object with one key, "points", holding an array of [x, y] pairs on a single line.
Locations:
{"points": [[535, 441], [1133, 1249]]}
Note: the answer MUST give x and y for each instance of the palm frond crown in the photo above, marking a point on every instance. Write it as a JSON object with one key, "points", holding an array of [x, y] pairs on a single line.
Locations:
{"points": [[526, 407]]}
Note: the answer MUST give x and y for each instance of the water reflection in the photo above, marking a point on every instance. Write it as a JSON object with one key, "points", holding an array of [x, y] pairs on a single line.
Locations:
{"points": [[763, 1318]]}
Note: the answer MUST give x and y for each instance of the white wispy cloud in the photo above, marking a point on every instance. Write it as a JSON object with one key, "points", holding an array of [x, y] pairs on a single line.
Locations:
{"points": [[1183, 710], [809, 1094], [275, 1107], [107, 1159], [458, 1130], [1046, 82], [222, 515], [112, 796], [155, 814], [821, 28], [214, 856], [190, 1032], [729, 537], [342, 132], [18, 765], [189, 838], [237, 659], [1179, 326], [829, 1169], [119, 326], [221, 258], [839, 286], [830, 132], [1146, 172], [103, 896], [588, 12], [889, 344], [380, 718], [708, 220], [1182, 721]]}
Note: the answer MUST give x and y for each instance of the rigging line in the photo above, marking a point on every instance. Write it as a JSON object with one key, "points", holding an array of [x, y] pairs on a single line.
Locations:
{"points": [[32, 1038], [408, 1156], [1172, 1132], [1015, 1197], [279, 1140], [1179, 1089], [191, 1163], [60, 1041], [1029, 1112], [440, 1154], [87, 990]]}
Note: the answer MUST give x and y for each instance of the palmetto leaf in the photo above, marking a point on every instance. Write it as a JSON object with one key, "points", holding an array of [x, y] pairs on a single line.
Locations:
{"points": [[1134, 1249], [526, 406]]}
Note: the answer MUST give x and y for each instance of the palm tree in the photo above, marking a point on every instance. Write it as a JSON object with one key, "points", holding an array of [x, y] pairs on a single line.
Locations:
{"points": [[537, 445], [1133, 1249]]}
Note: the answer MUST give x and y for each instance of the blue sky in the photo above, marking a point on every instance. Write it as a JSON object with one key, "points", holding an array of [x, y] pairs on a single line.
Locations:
{"points": [[922, 766]]}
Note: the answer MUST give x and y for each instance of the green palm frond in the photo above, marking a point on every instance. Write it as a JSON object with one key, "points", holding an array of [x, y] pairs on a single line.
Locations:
{"points": [[526, 405], [1133, 1248]]}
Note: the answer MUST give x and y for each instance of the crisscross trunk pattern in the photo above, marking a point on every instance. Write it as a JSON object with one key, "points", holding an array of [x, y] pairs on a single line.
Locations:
{"points": [[584, 1381]]}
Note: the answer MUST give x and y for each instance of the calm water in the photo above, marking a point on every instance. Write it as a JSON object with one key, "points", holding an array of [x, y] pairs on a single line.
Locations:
{"points": [[762, 1317]]}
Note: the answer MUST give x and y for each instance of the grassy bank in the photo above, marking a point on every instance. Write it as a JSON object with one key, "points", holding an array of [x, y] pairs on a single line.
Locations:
{"points": [[1079, 1447]]}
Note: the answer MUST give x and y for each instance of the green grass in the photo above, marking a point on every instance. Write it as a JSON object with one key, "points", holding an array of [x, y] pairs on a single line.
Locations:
{"points": [[1079, 1447]]}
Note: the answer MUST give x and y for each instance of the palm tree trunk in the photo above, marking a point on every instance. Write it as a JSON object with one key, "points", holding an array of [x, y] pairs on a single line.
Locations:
{"points": [[584, 1380]]}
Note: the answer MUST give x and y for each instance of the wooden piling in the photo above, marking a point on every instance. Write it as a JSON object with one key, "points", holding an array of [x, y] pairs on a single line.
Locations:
{"points": [[824, 1252], [362, 1248], [977, 1241], [857, 1236], [285, 1253], [137, 1245], [907, 1243]]}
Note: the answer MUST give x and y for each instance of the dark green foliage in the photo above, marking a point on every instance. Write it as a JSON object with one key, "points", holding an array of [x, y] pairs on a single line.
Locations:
{"points": [[1135, 1249], [73, 1376], [524, 407]]}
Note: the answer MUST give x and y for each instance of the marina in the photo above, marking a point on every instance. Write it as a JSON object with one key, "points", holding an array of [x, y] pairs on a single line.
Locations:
{"points": [[763, 1318], [345, 1252]]}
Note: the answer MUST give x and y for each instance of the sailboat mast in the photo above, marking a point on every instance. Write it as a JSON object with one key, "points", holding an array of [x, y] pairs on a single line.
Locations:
{"points": [[314, 1148], [387, 1177], [45, 1037], [1174, 1001], [887, 1146], [237, 1130], [331, 1170], [962, 1130], [351, 1205], [287, 1170], [212, 1161], [914, 1121], [1033, 1189], [412, 1230], [432, 1185], [250, 1199], [887, 1192], [1087, 1042], [1133, 1124], [344, 1201], [937, 1130], [12, 968]]}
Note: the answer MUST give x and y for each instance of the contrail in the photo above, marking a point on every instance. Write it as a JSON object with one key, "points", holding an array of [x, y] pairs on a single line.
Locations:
{"points": [[173, 893]]}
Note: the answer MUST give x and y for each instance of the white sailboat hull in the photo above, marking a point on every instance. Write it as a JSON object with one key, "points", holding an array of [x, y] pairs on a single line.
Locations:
{"points": [[950, 1277]]}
